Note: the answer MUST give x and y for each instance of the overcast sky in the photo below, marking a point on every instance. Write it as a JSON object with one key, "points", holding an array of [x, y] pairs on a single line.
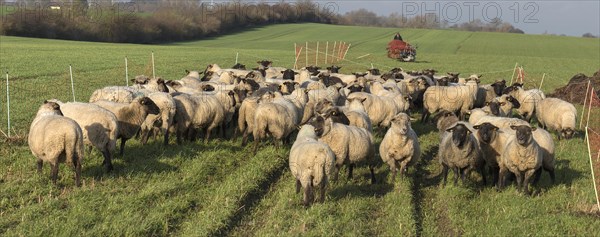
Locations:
{"points": [[534, 17]]}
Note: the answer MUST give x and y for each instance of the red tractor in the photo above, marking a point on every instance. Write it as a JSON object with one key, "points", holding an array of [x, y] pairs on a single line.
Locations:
{"points": [[403, 51]]}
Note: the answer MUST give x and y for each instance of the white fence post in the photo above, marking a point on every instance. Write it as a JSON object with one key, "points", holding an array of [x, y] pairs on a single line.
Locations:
{"points": [[513, 74], [587, 121], [317, 55], [587, 91], [542, 82], [344, 57], [306, 54], [326, 51], [126, 73], [72, 85], [7, 105], [592, 166], [237, 54], [153, 73]]}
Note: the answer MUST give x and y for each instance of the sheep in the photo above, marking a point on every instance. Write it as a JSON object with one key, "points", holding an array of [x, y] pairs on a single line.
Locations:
{"points": [[444, 120], [479, 116], [492, 141], [227, 100], [522, 156], [326, 109], [452, 98], [459, 150], [55, 139], [400, 145], [311, 163], [527, 98], [331, 93], [557, 115], [130, 116], [279, 117], [247, 112], [507, 103], [152, 85], [380, 110], [546, 143], [357, 114], [120, 94], [485, 93], [348, 79], [349, 144], [197, 112], [163, 120], [99, 127]]}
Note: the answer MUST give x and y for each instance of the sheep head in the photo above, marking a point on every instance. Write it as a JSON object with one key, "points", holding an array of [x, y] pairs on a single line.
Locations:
{"points": [[401, 123], [486, 131], [567, 133], [334, 69], [322, 126], [499, 87], [523, 134], [265, 63], [460, 134], [374, 71], [50, 107], [288, 74], [239, 66], [148, 105]]}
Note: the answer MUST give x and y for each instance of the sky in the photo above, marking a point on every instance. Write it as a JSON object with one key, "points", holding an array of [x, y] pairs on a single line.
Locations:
{"points": [[572, 18]]}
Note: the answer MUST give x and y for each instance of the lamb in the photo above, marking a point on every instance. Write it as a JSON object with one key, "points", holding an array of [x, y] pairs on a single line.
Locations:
{"points": [[451, 98], [400, 145], [557, 115], [130, 116], [56, 139], [311, 163], [196, 112], [459, 151], [380, 110], [349, 144], [164, 119], [527, 98], [522, 156], [99, 127]]}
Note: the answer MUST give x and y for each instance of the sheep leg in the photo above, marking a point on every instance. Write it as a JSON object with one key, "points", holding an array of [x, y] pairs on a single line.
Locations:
{"points": [[40, 164], [552, 176], [167, 137], [537, 175], [456, 174], [77, 166], [145, 135], [501, 178], [495, 175], [208, 131], [245, 138], [350, 168], [394, 169], [298, 184], [322, 191], [107, 161], [54, 172], [255, 146], [307, 194], [463, 174], [528, 176], [425, 116], [337, 172], [481, 169], [444, 173], [519, 181], [372, 169], [122, 151]]}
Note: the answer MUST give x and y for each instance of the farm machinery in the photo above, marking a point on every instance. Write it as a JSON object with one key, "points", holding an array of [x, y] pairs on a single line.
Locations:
{"points": [[403, 51]]}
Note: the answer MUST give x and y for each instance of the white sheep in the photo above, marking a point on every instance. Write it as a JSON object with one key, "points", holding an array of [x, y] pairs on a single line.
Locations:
{"points": [[558, 115], [450, 98], [349, 144], [197, 112], [400, 145], [522, 156], [163, 120], [56, 139], [528, 99], [357, 114], [311, 163], [99, 126], [130, 116], [381, 110]]}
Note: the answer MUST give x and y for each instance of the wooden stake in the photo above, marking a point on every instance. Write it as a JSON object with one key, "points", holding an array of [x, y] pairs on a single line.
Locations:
{"points": [[326, 52], [333, 52], [347, 48], [587, 121], [592, 167], [126, 73], [306, 53], [542, 82], [317, 55], [587, 91], [298, 56], [153, 74]]}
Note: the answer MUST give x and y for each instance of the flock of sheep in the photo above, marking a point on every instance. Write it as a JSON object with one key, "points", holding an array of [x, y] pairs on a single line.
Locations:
{"points": [[334, 115]]}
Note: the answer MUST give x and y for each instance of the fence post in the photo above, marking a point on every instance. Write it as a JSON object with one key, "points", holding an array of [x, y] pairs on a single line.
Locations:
{"points": [[587, 91], [153, 73], [542, 82], [317, 55], [237, 54], [126, 73], [326, 51], [347, 48], [306, 55], [72, 85], [7, 105], [592, 166], [587, 121], [333, 52], [513, 74]]}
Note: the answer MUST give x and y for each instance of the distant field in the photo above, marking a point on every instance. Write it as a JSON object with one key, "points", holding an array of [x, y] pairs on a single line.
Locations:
{"points": [[219, 188]]}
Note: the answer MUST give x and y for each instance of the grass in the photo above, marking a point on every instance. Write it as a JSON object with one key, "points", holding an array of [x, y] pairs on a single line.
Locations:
{"points": [[220, 189]]}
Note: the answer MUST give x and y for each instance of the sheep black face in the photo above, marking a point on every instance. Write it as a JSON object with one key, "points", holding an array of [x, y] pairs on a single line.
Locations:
{"points": [[265, 63], [524, 136], [356, 88], [313, 69], [207, 87], [396, 70], [509, 89], [460, 132], [336, 116], [207, 75], [140, 80], [162, 87], [494, 107], [486, 131], [334, 69], [319, 124], [453, 77], [567, 133], [444, 81], [514, 102], [289, 74], [287, 87], [150, 105], [499, 87], [374, 71], [239, 66]]}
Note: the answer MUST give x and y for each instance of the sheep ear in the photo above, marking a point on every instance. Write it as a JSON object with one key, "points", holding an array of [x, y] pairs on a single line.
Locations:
{"points": [[479, 76], [487, 103], [45, 101], [513, 127], [363, 100], [450, 129], [495, 128], [187, 71], [502, 103], [476, 127]]}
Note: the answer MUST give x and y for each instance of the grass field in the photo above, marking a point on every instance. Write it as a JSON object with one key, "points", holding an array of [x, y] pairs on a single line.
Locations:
{"points": [[220, 189]]}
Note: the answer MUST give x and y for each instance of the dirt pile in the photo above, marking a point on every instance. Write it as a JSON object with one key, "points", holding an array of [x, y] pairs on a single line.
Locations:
{"points": [[574, 92]]}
